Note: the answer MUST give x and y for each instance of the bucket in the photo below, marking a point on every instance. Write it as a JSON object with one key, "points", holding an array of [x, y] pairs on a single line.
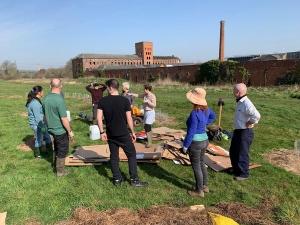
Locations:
{"points": [[69, 115], [94, 132]]}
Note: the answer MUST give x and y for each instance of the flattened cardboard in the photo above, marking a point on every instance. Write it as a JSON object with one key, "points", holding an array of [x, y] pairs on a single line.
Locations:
{"points": [[221, 163], [217, 163], [2, 218]]}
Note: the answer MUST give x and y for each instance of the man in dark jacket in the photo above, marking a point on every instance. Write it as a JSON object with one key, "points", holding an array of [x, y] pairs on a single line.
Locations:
{"points": [[96, 91], [117, 115]]}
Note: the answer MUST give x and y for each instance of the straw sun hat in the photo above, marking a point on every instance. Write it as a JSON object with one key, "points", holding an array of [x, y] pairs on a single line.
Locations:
{"points": [[197, 96]]}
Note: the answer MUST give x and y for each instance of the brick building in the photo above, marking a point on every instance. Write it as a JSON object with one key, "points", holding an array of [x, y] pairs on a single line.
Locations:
{"points": [[143, 57]]}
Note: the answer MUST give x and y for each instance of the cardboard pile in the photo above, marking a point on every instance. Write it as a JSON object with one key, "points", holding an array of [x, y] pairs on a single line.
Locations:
{"points": [[96, 154], [167, 134], [216, 157]]}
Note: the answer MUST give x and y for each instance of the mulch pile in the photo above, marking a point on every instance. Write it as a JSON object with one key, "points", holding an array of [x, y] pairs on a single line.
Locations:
{"points": [[166, 215], [156, 215]]}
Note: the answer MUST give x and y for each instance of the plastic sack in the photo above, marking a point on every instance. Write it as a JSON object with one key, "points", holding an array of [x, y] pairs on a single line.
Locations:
{"points": [[218, 219]]}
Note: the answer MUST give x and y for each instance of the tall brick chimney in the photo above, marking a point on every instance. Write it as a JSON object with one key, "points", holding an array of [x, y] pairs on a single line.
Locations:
{"points": [[221, 46]]}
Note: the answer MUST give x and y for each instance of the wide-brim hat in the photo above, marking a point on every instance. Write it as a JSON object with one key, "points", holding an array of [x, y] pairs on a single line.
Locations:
{"points": [[197, 96]]}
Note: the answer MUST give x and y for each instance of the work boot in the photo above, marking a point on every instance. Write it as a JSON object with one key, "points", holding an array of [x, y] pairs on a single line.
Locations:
{"points": [[149, 139], [37, 153], [195, 193], [60, 167], [205, 189], [135, 182]]}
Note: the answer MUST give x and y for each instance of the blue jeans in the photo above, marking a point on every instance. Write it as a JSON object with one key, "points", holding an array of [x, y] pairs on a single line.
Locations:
{"points": [[196, 152], [40, 136]]}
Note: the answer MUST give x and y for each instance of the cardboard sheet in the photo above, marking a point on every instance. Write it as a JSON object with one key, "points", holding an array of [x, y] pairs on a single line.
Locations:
{"points": [[2, 218], [96, 154]]}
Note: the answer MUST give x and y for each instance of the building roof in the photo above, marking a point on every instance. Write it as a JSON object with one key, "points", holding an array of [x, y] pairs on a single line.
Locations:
{"points": [[165, 57], [279, 56], [107, 56]]}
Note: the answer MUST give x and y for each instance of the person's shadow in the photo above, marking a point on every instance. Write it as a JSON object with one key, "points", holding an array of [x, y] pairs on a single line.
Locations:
{"points": [[160, 173], [28, 141], [103, 171]]}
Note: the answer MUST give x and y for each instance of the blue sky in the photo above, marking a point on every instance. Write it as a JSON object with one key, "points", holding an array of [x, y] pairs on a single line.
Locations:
{"points": [[42, 34]]}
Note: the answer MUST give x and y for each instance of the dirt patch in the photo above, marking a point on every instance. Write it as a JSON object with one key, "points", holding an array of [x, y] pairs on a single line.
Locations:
{"points": [[243, 214], [156, 215], [163, 119], [286, 159], [166, 215], [23, 114], [27, 145], [12, 97]]}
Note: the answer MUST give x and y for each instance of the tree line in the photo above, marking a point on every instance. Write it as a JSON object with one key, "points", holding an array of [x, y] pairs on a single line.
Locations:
{"points": [[9, 70]]}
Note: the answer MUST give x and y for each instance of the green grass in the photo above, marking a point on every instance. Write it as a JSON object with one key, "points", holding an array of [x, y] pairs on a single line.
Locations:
{"points": [[29, 190]]}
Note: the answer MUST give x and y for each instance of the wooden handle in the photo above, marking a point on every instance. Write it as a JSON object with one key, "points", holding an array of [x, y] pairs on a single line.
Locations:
{"points": [[220, 115]]}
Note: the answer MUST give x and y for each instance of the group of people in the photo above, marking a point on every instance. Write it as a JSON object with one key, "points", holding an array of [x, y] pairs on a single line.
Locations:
{"points": [[50, 118], [196, 140]]}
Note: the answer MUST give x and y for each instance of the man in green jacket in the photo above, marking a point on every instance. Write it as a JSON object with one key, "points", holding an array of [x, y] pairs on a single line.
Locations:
{"points": [[58, 125]]}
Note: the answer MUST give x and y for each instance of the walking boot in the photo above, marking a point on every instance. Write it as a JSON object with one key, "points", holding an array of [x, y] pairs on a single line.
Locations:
{"points": [[205, 189], [37, 153], [149, 139], [196, 193], [135, 182], [60, 167]]}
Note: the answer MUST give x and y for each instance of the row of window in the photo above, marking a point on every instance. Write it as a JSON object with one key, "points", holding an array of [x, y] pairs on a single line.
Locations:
{"points": [[148, 53]]}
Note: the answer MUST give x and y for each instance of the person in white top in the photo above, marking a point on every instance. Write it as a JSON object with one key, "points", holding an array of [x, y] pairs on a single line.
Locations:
{"points": [[246, 116]]}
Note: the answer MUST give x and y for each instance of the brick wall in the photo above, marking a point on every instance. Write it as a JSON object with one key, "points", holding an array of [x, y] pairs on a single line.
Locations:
{"points": [[176, 73], [263, 73], [266, 73]]}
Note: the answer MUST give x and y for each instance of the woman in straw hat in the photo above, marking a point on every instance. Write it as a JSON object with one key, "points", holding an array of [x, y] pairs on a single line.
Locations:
{"points": [[196, 140]]}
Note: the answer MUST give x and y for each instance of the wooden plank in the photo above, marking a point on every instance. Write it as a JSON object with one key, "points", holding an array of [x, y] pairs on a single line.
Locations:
{"points": [[175, 144], [184, 159], [217, 150]]}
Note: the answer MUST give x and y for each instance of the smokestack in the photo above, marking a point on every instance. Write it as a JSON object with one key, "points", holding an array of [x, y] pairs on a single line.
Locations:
{"points": [[221, 46]]}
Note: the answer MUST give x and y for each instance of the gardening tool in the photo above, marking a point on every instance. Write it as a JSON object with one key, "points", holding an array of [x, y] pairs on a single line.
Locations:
{"points": [[220, 104]]}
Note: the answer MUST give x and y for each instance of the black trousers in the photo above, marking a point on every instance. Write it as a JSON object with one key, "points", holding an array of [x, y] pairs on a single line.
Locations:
{"points": [[126, 144], [239, 151], [61, 145], [196, 153], [95, 107]]}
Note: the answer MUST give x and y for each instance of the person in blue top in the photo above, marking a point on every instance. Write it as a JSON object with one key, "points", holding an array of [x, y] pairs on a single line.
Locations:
{"points": [[36, 120], [196, 140]]}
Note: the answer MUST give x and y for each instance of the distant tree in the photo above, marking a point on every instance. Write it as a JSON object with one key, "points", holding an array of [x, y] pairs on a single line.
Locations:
{"points": [[8, 69], [228, 70], [209, 72], [214, 72], [245, 74]]}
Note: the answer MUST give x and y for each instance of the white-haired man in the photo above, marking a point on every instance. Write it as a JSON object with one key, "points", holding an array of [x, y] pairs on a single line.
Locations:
{"points": [[246, 115]]}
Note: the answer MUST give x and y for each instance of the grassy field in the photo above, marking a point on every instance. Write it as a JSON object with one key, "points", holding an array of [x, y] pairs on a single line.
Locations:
{"points": [[30, 191]]}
